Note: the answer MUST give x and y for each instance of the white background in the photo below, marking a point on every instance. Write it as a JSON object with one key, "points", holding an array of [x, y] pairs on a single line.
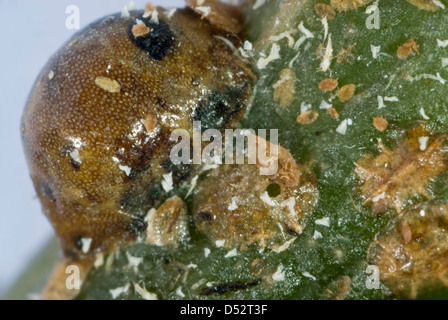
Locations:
{"points": [[30, 32]]}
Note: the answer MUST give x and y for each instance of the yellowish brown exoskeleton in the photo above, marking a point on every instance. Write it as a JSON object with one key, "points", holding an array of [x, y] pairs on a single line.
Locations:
{"points": [[399, 176], [97, 125], [236, 205], [412, 251]]}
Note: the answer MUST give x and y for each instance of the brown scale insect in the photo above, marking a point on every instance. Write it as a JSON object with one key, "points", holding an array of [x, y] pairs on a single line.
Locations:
{"points": [[346, 93], [284, 88], [239, 207], [307, 117], [345, 54], [347, 5], [328, 84], [392, 178], [338, 290], [380, 124], [428, 5], [168, 225], [412, 251], [96, 132], [407, 48], [334, 114]]}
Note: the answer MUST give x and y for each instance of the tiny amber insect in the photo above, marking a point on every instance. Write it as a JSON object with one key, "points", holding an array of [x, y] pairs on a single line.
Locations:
{"points": [[347, 5], [407, 48], [307, 117], [380, 124], [328, 84], [334, 114], [284, 88], [97, 125], [346, 93]]}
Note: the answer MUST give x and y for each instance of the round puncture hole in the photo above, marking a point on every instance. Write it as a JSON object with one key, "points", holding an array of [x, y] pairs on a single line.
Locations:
{"points": [[273, 190]]}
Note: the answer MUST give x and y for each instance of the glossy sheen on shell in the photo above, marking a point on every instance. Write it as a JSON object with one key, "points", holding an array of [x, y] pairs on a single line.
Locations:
{"points": [[97, 124]]}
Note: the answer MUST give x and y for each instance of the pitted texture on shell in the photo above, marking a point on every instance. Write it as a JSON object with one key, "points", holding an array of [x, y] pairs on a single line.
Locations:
{"points": [[96, 133], [219, 14]]}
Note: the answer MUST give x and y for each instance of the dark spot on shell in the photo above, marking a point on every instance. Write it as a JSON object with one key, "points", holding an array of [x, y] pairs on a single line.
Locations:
{"points": [[290, 231], [273, 190], [139, 202], [204, 216], [78, 242], [75, 165], [196, 81], [157, 42], [137, 226], [135, 152], [180, 171], [100, 201], [66, 151], [219, 108], [165, 260], [47, 191]]}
